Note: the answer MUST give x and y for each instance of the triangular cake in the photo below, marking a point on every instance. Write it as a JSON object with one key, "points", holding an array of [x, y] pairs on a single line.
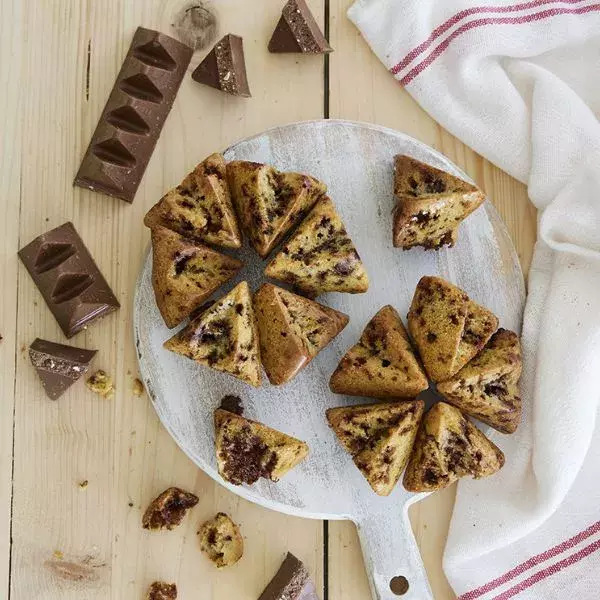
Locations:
{"points": [[430, 204], [200, 207], [224, 337], [487, 387], [447, 448], [320, 256], [379, 437], [382, 364], [268, 202], [297, 31], [293, 330], [447, 327], [247, 450], [224, 67], [185, 274]]}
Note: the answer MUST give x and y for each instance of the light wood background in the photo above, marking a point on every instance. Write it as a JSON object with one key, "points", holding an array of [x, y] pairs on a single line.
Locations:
{"points": [[58, 62]]}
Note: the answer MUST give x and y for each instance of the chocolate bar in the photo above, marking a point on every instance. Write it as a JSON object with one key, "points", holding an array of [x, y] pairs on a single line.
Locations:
{"points": [[133, 117], [59, 366], [291, 582], [68, 278]]}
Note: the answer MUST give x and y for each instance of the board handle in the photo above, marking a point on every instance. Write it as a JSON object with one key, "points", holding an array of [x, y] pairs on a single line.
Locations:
{"points": [[392, 557]]}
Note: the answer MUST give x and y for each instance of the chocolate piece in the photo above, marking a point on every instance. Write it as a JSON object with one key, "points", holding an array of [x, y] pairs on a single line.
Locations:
{"points": [[224, 67], [167, 510], [232, 404], [59, 366], [297, 31], [133, 117], [291, 582], [160, 590], [68, 278]]}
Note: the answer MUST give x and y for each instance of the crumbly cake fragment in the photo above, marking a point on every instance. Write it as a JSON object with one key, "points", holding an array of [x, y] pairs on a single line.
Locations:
{"points": [[382, 364], [224, 337], [168, 509], [159, 590], [292, 330], [430, 205], [379, 437], [447, 448], [101, 383], [221, 540], [320, 256]]}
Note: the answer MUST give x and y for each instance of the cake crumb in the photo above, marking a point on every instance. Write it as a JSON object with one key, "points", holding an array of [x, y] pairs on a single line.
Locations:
{"points": [[83, 484], [167, 510], [221, 540], [138, 387], [160, 590], [102, 384], [58, 554]]}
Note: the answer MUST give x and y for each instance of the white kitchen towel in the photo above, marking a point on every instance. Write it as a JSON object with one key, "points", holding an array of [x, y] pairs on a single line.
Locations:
{"points": [[520, 83]]}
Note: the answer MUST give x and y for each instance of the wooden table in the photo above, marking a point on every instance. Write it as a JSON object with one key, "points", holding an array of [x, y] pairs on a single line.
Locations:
{"points": [[58, 63]]}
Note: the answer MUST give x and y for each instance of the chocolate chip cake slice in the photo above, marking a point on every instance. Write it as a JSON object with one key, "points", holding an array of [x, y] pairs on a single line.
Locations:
{"points": [[224, 337], [200, 207], [487, 388], [185, 274], [430, 204], [448, 328], [382, 364], [247, 450], [268, 202], [293, 330], [320, 257], [379, 437], [447, 448]]}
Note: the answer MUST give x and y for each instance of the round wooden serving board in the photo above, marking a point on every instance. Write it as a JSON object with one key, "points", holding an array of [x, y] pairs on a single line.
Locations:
{"points": [[355, 160]]}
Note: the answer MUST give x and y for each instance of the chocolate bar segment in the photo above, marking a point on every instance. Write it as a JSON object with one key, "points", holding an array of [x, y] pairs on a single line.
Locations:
{"points": [[133, 117], [59, 366], [68, 278], [291, 582]]}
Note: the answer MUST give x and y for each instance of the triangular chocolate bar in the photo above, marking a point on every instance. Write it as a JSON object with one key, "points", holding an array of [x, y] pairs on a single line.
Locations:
{"points": [[297, 31], [291, 582], [224, 68]]}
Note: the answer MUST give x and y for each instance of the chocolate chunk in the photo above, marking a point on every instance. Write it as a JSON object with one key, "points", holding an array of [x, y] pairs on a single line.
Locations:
{"points": [[291, 582], [133, 117], [297, 31], [68, 278], [224, 67], [59, 366], [167, 510], [232, 404]]}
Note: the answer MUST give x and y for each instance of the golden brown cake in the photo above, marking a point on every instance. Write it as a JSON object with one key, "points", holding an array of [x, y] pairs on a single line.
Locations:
{"points": [[160, 590], [224, 337], [320, 256], [430, 204], [292, 330], [447, 448], [247, 450], [447, 327], [185, 274], [382, 364], [200, 207], [379, 437], [487, 388], [221, 540], [270, 203], [167, 510]]}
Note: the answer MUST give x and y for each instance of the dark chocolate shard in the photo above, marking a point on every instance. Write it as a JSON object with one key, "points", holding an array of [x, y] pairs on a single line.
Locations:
{"points": [[68, 278], [297, 31], [59, 366], [133, 117], [224, 67], [291, 582]]}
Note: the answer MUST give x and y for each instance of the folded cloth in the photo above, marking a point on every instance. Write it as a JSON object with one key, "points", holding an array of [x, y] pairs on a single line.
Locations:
{"points": [[520, 84]]}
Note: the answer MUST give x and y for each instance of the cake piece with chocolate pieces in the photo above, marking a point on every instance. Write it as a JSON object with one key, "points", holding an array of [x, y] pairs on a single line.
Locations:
{"points": [[185, 274], [379, 437], [269, 202], [168, 509], [221, 540], [200, 207], [320, 256], [447, 448], [159, 590], [224, 337], [291, 582], [487, 388], [382, 364], [292, 330], [248, 450], [448, 328], [430, 204]]}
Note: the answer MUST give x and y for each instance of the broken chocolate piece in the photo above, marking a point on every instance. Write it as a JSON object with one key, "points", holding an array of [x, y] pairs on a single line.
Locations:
{"points": [[224, 67], [221, 540], [68, 278], [297, 31], [232, 404], [167, 510], [160, 590], [59, 366], [291, 582], [133, 117]]}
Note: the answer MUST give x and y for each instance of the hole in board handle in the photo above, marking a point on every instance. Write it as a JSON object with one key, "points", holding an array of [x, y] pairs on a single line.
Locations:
{"points": [[399, 585]]}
